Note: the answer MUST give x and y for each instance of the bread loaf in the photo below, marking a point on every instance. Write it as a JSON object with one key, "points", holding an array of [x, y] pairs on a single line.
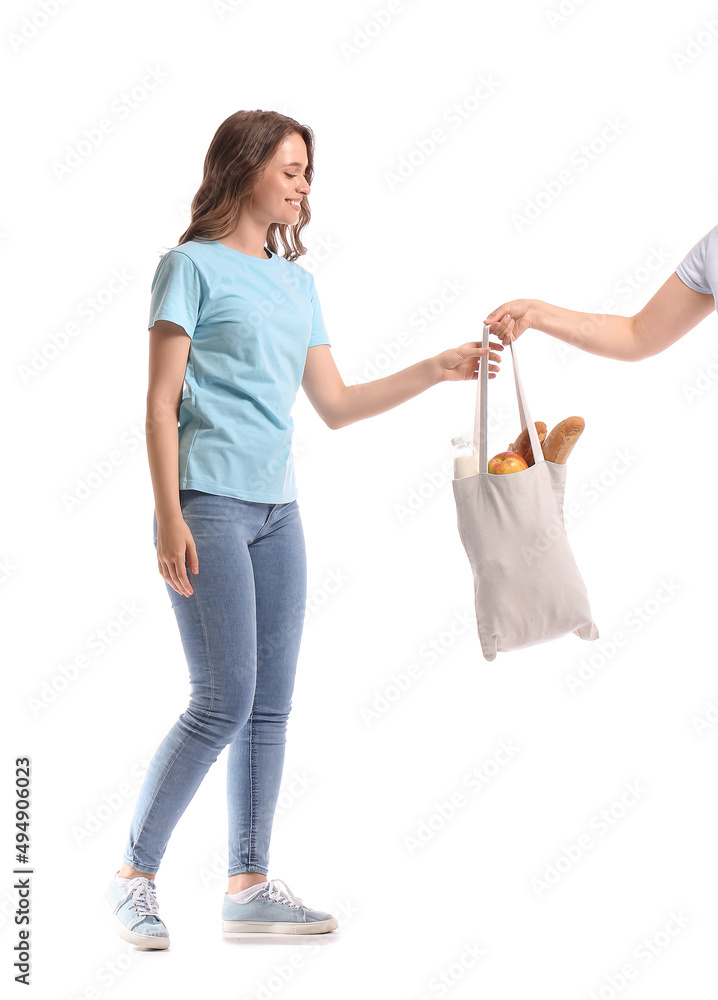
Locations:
{"points": [[559, 443], [522, 445]]}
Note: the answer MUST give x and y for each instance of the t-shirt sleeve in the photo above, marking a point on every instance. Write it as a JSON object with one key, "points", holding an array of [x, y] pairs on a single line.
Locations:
{"points": [[319, 330], [692, 269], [175, 292]]}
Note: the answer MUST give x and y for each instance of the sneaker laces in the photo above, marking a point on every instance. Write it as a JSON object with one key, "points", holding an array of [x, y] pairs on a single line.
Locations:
{"points": [[280, 891], [144, 897]]}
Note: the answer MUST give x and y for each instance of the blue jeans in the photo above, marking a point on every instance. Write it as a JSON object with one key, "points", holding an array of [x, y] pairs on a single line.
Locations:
{"points": [[241, 631]]}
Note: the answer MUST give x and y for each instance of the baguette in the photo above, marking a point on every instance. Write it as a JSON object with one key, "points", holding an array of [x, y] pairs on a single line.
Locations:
{"points": [[559, 443], [522, 445]]}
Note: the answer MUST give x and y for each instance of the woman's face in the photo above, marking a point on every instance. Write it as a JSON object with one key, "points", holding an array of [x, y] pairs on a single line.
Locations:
{"points": [[278, 194]]}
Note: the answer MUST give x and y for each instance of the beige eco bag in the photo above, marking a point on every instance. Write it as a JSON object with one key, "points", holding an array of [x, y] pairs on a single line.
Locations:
{"points": [[527, 586]]}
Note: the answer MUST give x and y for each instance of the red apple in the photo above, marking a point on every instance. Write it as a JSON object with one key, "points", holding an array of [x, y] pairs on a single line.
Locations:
{"points": [[507, 461]]}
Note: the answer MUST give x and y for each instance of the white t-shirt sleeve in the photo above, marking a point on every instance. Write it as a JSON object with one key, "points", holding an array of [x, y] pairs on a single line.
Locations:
{"points": [[692, 269], [319, 329], [176, 292]]}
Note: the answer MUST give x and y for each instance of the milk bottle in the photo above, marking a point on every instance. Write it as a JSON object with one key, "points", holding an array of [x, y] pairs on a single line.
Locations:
{"points": [[465, 458]]}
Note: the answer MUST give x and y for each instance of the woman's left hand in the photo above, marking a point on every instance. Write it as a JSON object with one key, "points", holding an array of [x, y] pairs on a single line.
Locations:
{"points": [[461, 363]]}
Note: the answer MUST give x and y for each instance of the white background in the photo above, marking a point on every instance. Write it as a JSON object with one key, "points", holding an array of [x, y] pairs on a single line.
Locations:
{"points": [[374, 86]]}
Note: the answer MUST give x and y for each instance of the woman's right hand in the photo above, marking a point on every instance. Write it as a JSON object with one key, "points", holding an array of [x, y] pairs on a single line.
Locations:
{"points": [[509, 321], [174, 542]]}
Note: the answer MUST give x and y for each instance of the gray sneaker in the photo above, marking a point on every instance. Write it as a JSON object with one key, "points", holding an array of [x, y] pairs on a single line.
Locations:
{"points": [[273, 909], [134, 913]]}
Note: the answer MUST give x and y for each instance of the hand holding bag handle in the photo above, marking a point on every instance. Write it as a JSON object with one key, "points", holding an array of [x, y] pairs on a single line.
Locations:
{"points": [[481, 413]]}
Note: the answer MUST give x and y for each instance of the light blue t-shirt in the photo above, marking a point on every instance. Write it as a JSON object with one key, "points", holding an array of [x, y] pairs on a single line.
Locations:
{"points": [[251, 322], [699, 268]]}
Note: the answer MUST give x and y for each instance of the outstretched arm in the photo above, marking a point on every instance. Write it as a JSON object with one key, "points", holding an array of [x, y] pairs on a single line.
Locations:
{"points": [[669, 315], [339, 404]]}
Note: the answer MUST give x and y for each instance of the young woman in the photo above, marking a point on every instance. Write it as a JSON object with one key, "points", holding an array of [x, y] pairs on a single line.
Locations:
{"points": [[235, 327], [684, 299]]}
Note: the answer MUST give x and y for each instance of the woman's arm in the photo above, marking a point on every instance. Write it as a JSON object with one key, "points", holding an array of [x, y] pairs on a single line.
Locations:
{"points": [[669, 315], [169, 349], [338, 404]]}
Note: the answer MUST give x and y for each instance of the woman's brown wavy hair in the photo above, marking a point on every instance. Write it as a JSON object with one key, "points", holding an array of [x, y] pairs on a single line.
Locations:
{"points": [[241, 148]]}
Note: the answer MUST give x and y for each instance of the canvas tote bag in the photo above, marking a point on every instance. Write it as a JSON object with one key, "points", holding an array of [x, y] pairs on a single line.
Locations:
{"points": [[527, 586]]}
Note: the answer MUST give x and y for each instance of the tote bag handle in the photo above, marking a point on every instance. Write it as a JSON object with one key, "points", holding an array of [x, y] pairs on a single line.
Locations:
{"points": [[481, 413]]}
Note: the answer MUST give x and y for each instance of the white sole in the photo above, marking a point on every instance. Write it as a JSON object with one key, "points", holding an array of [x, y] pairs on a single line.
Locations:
{"points": [[144, 941], [267, 927]]}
